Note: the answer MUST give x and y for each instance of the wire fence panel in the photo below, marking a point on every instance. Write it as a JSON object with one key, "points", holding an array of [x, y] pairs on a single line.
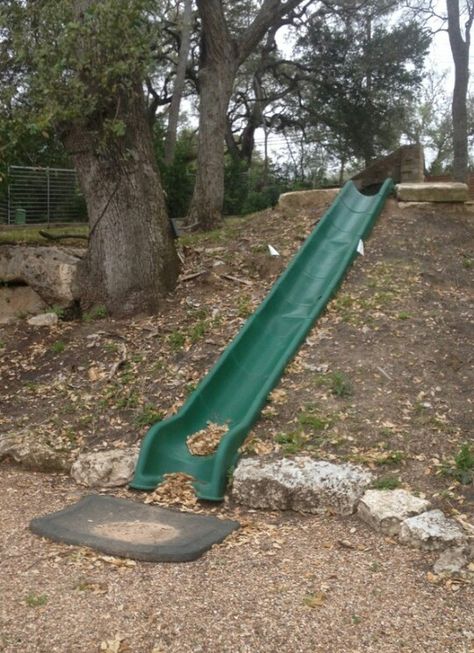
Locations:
{"points": [[42, 195]]}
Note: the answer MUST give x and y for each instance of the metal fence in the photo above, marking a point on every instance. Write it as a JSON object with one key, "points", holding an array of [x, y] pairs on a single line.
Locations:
{"points": [[42, 195]]}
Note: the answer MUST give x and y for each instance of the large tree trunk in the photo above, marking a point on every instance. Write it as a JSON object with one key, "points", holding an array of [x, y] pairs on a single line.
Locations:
{"points": [[215, 83], [180, 79], [221, 56], [131, 262], [460, 52]]}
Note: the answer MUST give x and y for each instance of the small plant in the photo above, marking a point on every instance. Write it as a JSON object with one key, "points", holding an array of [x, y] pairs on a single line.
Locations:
{"points": [[463, 468], [391, 458], [244, 306], [176, 340], [58, 310], [403, 315], [468, 262], [337, 382], [111, 347], [291, 442], [315, 422], [96, 313], [340, 385], [58, 347], [36, 600], [386, 483], [2, 344], [148, 416], [198, 331]]}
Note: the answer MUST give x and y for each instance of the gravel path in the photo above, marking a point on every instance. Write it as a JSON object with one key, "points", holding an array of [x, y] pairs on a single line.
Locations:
{"points": [[287, 583]]}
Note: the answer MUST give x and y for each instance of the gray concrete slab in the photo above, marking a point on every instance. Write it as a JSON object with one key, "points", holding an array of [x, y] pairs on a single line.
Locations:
{"points": [[134, 530]]}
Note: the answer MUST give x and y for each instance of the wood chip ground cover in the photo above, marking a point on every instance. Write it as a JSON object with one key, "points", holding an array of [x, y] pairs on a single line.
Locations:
{"points": [[399, 332]]}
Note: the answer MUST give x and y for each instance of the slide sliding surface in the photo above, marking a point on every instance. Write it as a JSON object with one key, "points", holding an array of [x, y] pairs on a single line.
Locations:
{"points": [[236, 388]]}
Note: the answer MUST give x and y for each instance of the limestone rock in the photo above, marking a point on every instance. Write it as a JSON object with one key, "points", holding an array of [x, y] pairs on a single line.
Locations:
{"points": [[384, 510], [301, 484], [44, 319], [451, 561], [110, 468], [406, 164], [32, 451], [433, 192], [50, 271], [18, 301], [431, 531], [306, 199]]}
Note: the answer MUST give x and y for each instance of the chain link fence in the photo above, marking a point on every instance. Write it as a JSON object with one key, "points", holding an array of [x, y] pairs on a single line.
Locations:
{"points": [[41, 195]]}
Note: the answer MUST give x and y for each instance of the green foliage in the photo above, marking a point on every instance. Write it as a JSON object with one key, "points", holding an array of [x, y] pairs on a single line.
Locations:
{"points": [[178, 178], [386, 483], [58, 347], [70, 68], [365, 76], [337, 382], [462, 468], [96, 313], [36, 600], [293, 442], [148, 416]]}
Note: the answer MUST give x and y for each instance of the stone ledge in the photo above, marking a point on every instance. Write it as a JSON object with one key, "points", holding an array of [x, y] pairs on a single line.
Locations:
{"points": [[300, 484], [385, 510], [432, 192]]}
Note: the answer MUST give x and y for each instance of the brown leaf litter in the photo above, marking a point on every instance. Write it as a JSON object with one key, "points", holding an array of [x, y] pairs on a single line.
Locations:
{"points": [[206, 441]]}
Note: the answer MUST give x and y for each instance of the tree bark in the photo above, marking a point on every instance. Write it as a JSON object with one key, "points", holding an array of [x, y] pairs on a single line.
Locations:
{"points": [[131, 262], [180, 79], [221, 56], [460, 51]]}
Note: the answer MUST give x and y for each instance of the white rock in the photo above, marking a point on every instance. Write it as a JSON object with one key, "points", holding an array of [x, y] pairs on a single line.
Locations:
{"points": [[301, 484], [431, 531], [110, 468], [30, 450], [384, 510], [451, 561], [44, 319], [50, 271]]}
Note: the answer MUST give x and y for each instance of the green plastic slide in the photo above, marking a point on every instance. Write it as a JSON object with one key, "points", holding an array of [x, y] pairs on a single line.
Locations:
{"points": [[235, 390]]}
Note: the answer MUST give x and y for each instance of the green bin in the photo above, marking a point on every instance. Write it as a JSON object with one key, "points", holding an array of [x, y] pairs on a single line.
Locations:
{"points": [[20, 216]]}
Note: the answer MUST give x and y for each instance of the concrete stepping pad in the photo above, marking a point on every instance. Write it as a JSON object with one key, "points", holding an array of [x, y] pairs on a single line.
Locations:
{"points": [[129, 529]]}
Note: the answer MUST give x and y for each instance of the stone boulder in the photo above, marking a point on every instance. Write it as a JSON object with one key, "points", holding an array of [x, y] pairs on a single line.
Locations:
{"points": [[452, 560], [306, 199], [111, 468], [433, 192], [17, 301], [32, 451], [432, 531], [301, 484], [384, 510], [44, 319], [49, 271]]}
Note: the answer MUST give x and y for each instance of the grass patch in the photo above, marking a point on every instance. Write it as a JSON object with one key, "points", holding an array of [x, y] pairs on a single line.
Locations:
{"points": [[96, 313], [462, 467], [386, 483], [58, 347], [36, 600], [176, 340], [292, 442], [337, 382], [31, 235], [148, 416]]}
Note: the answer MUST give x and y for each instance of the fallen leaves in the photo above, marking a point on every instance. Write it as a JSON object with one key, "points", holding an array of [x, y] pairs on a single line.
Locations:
{"points": [[206, 441], [176, 489]]}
